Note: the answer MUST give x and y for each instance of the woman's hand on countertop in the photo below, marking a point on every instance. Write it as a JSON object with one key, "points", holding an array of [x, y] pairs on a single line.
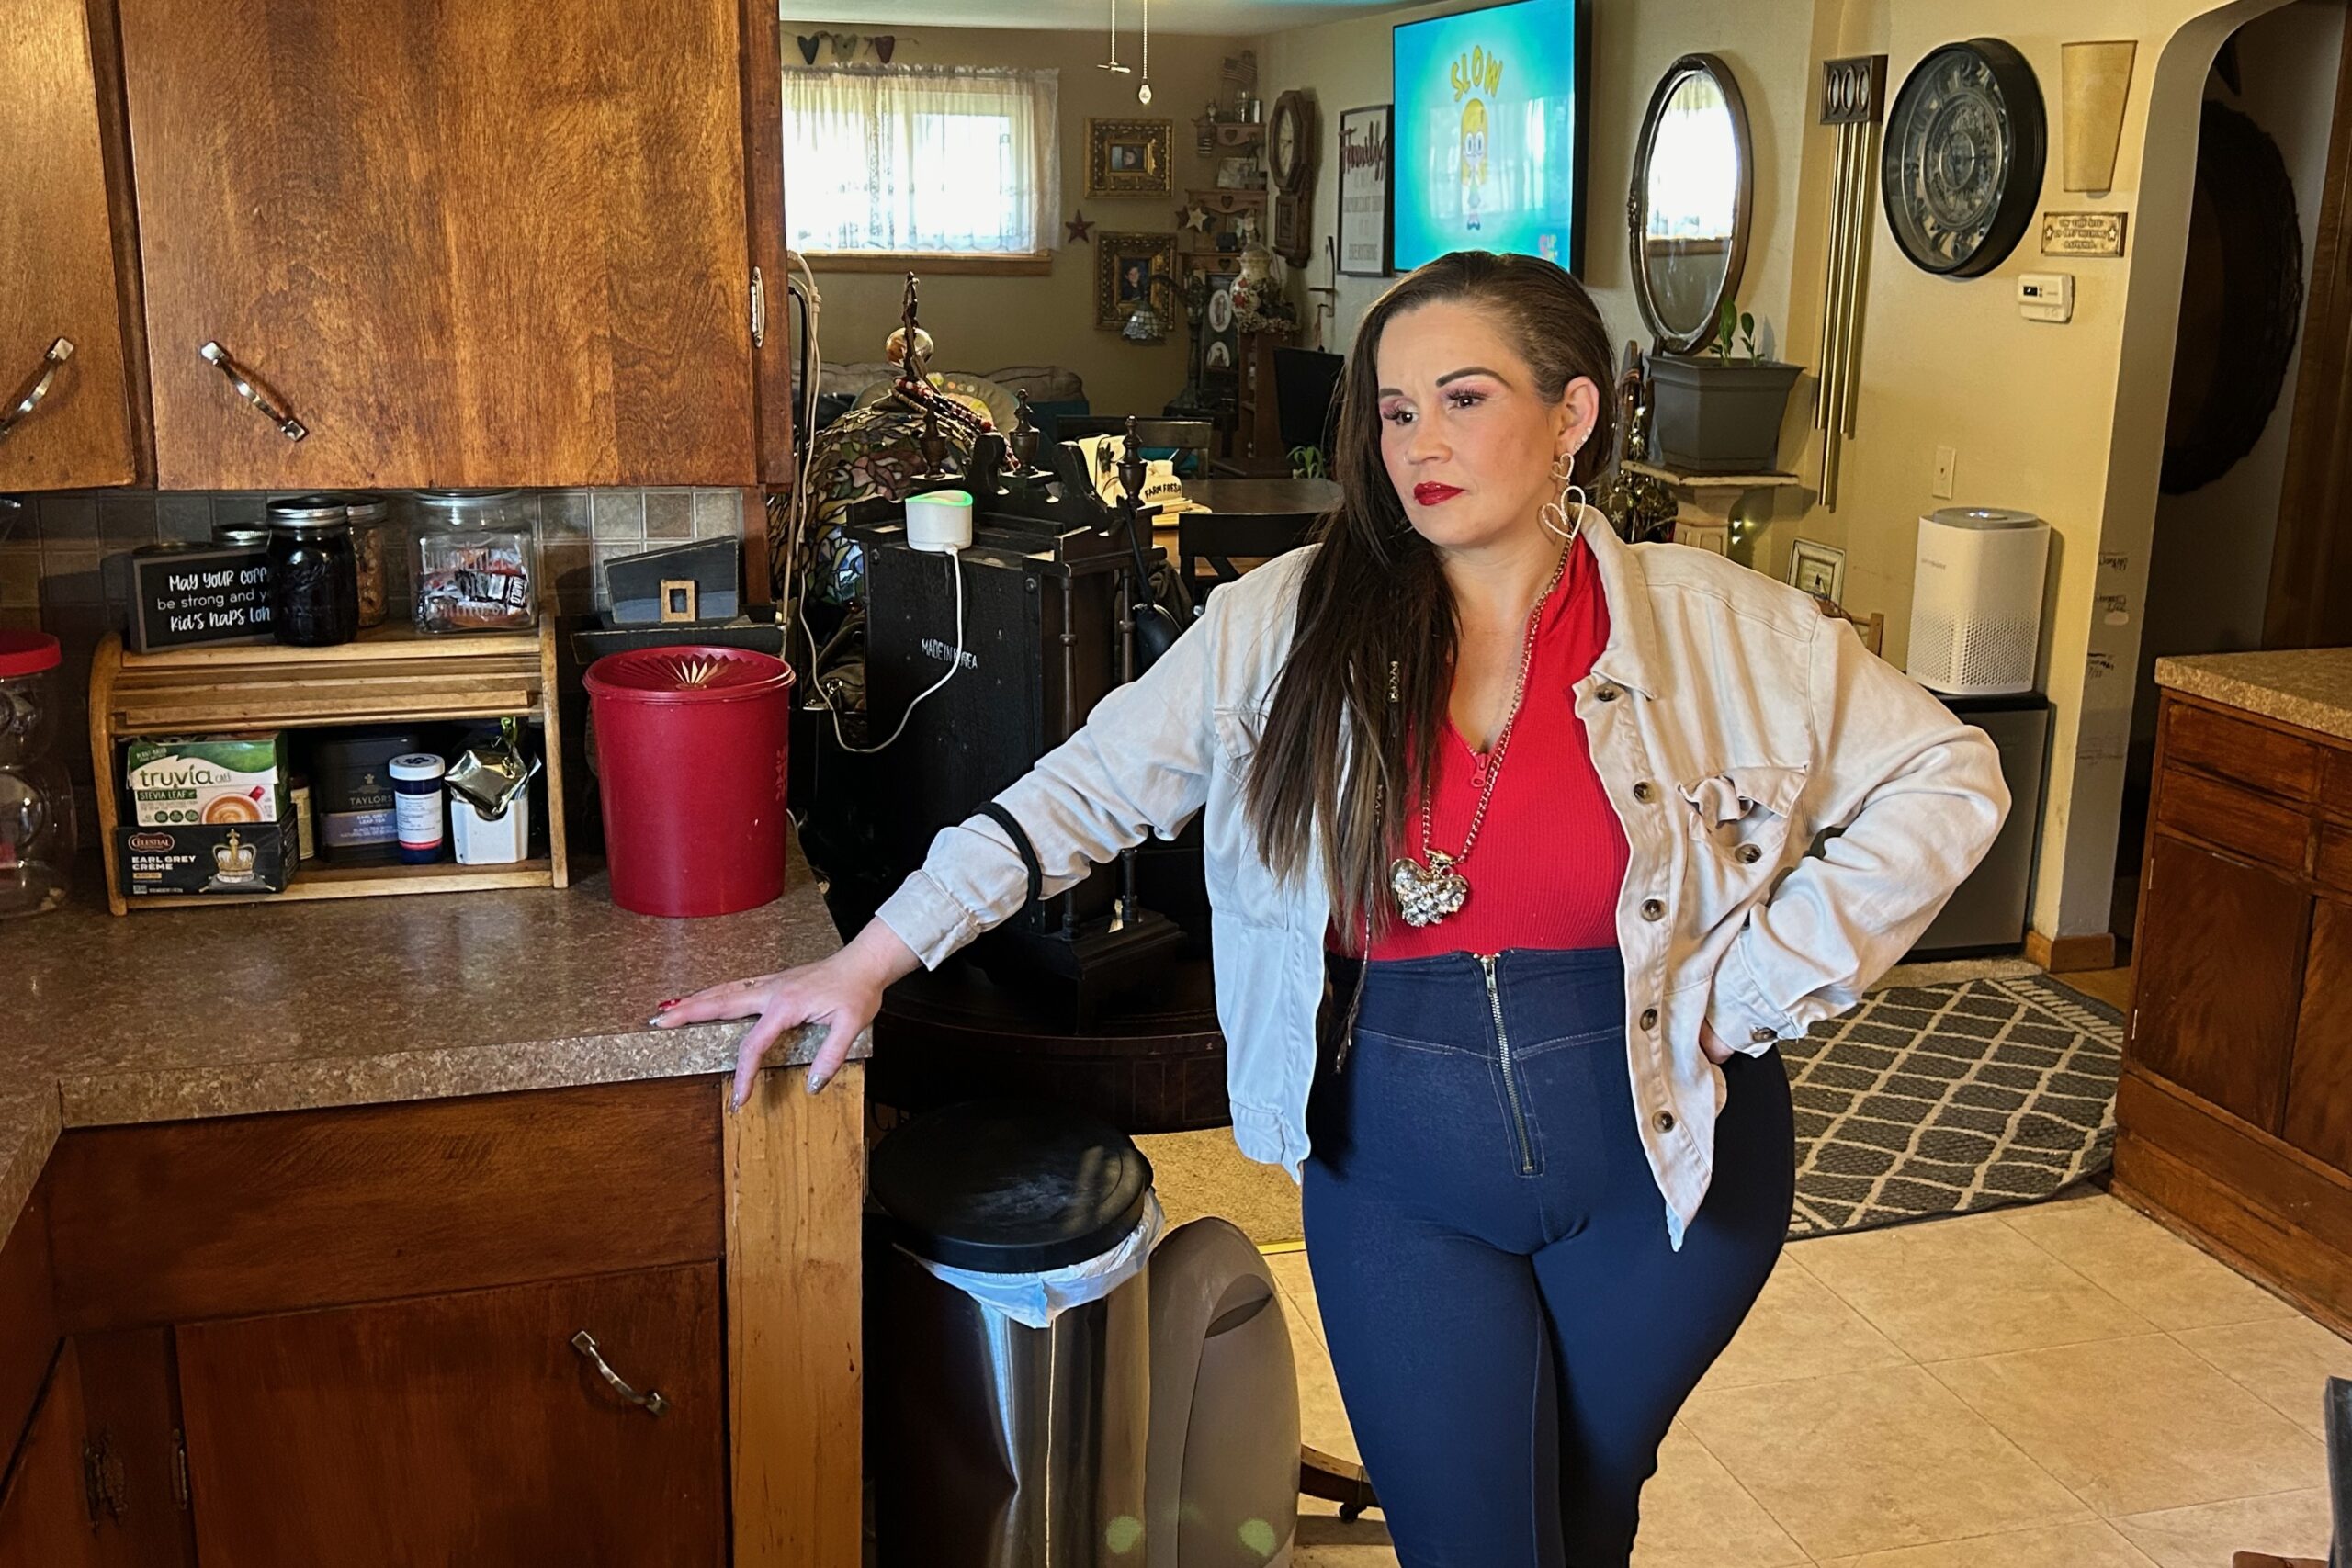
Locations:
{"points": [[842, 992]]}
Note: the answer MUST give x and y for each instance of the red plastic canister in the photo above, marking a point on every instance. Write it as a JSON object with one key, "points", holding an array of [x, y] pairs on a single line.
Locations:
{"points": [[691, 754]]}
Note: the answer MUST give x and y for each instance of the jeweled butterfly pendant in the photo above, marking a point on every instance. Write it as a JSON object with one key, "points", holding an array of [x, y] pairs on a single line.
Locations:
{"points": [[1427, 894]]}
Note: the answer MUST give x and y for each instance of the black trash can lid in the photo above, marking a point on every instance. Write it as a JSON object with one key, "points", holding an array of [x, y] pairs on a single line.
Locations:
{"points": [[1010, 1186]]}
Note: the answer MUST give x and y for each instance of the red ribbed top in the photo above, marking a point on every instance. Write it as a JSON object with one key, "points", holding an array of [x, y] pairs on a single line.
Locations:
{"points": [[1551, 857]]}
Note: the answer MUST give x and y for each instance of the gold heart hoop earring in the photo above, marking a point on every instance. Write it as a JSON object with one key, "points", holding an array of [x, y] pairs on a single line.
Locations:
{"points": [[1556, 514]]}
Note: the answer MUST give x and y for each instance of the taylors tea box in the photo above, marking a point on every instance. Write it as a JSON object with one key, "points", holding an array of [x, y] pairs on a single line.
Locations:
{"points": [[237, 857], [208, 778]]}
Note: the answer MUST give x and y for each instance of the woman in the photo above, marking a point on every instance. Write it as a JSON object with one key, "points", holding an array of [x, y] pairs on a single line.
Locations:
{"points": [[1545, 809]]}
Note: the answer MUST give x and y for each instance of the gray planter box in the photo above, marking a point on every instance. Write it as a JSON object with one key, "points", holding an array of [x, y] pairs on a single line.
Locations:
{"points": [[1718, 418]]}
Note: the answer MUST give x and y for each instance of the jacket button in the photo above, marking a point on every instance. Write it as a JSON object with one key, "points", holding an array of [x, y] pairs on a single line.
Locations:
{"points": [[1761, 1036], [1606, 693], [1663, 1121], [1652, 909], [1748, 854], [1642, 791], [1649, 1018]]}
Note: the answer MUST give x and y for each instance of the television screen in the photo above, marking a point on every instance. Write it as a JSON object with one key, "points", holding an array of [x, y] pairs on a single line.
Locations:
{"points": [[1490, 133]]}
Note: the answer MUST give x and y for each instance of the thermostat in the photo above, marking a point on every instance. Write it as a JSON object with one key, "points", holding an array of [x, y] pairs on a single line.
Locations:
{"points": [[2046, 296]]}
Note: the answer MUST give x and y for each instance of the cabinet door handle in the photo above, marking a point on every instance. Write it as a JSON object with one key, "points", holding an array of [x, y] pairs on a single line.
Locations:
{"points": [[651, 1401], [288, 425], [59, 353]]}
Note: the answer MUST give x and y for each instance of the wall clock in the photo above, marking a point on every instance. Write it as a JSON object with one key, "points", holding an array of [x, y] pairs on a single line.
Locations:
{"points": [[1291, 136], [1960, 172]]}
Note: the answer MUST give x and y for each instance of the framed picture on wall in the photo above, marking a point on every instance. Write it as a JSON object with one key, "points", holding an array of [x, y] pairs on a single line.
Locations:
{"points": [[1130, 157], [1124, 268], [1818, 569], [1367, 212]]}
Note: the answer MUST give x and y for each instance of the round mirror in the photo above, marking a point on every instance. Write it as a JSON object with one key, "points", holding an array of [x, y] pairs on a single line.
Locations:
{"points": [[1688, 209]]}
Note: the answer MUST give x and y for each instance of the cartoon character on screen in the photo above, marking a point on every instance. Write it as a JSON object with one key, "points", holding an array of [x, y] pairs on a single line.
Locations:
{"points": [[1473, 159]]}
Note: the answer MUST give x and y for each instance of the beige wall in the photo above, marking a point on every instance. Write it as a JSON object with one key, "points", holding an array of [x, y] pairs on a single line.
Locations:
{"points": [[984, 322], [2064, 421]]}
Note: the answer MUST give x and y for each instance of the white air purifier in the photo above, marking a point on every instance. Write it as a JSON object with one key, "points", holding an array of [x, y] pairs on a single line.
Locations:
{"points": [[1976, 601]]}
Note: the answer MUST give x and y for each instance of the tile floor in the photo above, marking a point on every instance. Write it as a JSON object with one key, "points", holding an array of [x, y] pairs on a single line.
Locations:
{"points": [[2063, 1386]]}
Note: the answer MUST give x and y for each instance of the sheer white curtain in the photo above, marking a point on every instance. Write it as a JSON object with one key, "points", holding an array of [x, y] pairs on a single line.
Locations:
{"points": [[921, 158]]}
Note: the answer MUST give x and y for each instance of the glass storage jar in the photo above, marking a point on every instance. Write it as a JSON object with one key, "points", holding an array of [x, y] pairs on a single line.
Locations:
{"points": [[314, 575], [36, 797], [475, 564], [372, 552]]}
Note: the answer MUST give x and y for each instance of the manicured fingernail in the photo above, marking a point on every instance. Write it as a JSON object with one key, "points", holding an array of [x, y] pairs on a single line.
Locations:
{"points": [[816, 1084], [666, 1007]]}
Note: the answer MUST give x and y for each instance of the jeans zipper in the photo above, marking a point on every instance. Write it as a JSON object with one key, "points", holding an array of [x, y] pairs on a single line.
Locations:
{"points": [[1510, 1078]]}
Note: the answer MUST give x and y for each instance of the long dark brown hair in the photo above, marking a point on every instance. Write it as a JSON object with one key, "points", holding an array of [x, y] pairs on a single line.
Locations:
{"points": [[1374, 597]]}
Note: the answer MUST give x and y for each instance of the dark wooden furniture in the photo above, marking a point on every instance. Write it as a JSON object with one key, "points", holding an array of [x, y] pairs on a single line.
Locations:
{"points": [[1250, 519], [1192, 435], [385, 1333], [1257, 412], [64, 205], [2235, 1113], [460, 246]]}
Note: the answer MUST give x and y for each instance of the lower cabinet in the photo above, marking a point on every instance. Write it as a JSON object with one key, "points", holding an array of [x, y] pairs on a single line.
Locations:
{"points": [[45, 1512], [465, 1428], [2319, 1088]]}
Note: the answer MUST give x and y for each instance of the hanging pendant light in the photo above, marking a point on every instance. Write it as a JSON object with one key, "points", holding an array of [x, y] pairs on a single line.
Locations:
{"points": [[1143, 92], [1112, 64]]}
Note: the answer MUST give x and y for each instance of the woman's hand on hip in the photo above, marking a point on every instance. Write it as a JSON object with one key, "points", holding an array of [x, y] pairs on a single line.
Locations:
{"points": [[842, 992]]}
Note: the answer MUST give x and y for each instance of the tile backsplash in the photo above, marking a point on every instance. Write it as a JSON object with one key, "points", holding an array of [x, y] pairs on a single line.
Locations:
{"points": [[53, 550]]}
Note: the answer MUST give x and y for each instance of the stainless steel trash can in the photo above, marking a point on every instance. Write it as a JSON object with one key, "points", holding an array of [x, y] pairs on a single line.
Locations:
{"points": [[992, 1444]]}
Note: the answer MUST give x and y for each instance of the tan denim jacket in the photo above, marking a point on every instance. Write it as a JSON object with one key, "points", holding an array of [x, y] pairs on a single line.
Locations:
{"points": [[1798, 810]]}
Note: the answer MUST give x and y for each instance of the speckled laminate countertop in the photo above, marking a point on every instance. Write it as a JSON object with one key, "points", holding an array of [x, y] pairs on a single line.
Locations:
{"points": [[2311, 687], [170, 1014]]}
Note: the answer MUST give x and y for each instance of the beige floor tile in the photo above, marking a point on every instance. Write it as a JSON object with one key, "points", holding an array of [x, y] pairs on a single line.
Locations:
{"points": [[2088, 1545], [1968, 1286], [1868, 1461], [2163, 1278], [1695, 1516], [2289, 1524], [1322, 1419], [2135, 1424], [2284, 1361], [1290, 1272], [1799, 1329]]}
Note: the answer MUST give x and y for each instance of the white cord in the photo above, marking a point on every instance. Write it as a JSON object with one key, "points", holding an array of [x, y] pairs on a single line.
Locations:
{"points": [[955, 663]]}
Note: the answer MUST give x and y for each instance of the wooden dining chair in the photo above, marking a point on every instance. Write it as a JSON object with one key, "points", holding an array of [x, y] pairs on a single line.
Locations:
{"points": [[1218, 539], [1193, 436]]}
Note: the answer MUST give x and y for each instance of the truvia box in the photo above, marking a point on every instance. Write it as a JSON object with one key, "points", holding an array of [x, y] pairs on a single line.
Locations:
{"points": [[217, 779]]}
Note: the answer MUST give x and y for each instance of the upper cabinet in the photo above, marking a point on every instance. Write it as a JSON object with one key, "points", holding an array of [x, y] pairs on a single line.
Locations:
{"points": [[70, 283], [446, 243]]}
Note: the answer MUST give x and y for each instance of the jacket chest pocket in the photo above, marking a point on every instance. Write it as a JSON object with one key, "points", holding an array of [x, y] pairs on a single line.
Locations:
{"points": [[1739, 820], [1237, 730]]}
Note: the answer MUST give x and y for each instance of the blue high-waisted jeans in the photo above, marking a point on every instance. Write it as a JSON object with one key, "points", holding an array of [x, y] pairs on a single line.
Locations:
{"points": [[1511, 1332]]}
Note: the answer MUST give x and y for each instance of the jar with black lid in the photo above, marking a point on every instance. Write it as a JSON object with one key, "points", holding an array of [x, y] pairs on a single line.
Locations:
{"points": [[314, 575]]}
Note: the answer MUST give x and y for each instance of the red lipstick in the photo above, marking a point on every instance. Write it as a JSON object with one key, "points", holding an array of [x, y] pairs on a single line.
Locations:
{"points": [[1431, 494]]}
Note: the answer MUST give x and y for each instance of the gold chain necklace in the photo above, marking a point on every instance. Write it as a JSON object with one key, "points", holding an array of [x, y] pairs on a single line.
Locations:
{"points": [[1432, 887]]}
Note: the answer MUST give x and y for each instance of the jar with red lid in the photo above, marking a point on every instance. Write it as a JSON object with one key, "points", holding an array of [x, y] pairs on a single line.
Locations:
{"points": [[36, 797]]}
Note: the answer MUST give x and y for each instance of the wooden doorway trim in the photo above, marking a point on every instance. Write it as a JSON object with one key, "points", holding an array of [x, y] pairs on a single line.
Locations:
{"points": [[2311, 562]]}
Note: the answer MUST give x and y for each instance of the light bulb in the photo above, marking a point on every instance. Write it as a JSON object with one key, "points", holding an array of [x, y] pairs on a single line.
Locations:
{"points": [[1143, 94]]}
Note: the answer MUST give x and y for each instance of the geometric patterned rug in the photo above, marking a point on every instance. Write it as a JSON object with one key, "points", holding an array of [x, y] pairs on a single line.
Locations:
{"points": [[1949, 1099]]}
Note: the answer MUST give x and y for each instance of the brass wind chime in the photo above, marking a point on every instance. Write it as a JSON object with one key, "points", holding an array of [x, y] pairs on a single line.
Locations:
{"points": [[1853, 101]]}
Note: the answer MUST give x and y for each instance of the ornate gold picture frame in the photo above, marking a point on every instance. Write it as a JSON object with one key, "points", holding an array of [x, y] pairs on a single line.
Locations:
{"points": [[1124, 265], [1130, 157]]}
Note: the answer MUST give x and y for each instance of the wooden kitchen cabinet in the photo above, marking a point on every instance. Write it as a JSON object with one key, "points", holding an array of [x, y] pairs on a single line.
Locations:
{"points": [[460, 243], [2233, 1118], [465, 1428], [44, 1513], [66, 253], [2218, 1018]]}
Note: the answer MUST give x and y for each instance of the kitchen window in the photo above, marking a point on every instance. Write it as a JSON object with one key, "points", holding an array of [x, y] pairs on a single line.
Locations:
{"points": [[886, 163]]}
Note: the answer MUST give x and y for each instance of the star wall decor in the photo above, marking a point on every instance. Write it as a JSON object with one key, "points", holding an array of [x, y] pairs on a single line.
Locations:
{"points": [[1193, 218], [1079, 229]]}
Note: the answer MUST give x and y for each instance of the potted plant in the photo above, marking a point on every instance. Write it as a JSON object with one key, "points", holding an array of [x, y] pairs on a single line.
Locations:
{"points": [[1717, 411]]}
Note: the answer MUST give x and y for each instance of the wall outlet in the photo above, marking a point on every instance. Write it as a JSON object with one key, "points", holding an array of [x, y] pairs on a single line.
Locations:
{"points": [[1946, 461]]}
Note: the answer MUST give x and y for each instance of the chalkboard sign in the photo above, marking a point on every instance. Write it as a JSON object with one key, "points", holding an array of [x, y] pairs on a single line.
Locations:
{"points": [[190, 593]]}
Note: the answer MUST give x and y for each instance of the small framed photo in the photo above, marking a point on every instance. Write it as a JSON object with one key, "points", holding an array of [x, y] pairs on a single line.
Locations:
{"points": [[1130, 157], [1367, 213], [1817, 568], [1124, 268]]}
